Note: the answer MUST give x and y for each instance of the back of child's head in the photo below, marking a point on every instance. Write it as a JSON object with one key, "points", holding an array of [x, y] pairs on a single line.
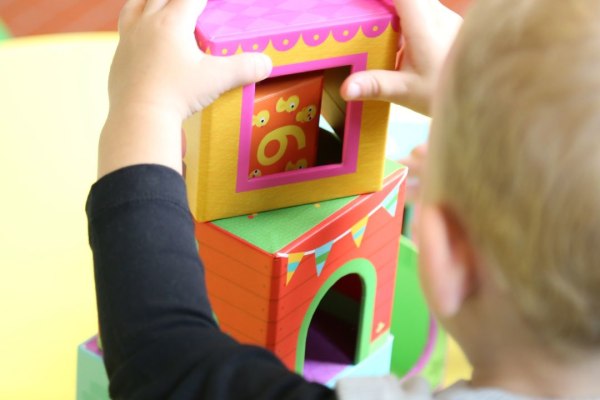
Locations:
{"points": [[515, 154]]}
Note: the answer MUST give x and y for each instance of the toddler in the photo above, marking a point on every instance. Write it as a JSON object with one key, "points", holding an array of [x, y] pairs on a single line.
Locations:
{"points": [[509, 222]]}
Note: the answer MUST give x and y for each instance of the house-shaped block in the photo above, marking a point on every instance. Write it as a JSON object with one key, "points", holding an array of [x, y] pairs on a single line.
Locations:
{"points": [[237, 138], [321, 285], [419, 346], [312, 283]]}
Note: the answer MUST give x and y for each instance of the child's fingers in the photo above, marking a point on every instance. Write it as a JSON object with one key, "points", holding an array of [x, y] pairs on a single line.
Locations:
{"points": [[391, 86], [416, 18], [420, 152], [153, 6], [413, 189], [416, 159], [189, 10], [238, 70], [130, 12], [415, 166]]}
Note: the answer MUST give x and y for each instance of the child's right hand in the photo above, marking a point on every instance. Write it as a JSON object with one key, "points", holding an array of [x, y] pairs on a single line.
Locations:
{"points": [[415, 162], [159, 77], [428, 31], [158, 63]]}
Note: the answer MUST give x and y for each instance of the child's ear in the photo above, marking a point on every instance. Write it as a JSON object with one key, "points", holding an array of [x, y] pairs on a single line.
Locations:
{"points": [[447, 262]]}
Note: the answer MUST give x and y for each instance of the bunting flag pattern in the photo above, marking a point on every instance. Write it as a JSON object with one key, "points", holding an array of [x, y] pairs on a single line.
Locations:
{"points": [[358, 231], [321, 255], [390, 203], [293, 262]]}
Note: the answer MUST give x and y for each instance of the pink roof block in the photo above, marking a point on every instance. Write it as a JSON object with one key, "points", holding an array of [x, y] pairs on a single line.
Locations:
{"points": [[225, 25]]}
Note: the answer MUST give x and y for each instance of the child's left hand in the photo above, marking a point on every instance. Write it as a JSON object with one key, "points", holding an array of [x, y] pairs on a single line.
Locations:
{"points": [[158, 78], [428, 31], [415, 162]]}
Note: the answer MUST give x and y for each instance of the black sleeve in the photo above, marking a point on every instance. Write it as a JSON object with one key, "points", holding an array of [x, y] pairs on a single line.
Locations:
{"points": [[159, 337]]}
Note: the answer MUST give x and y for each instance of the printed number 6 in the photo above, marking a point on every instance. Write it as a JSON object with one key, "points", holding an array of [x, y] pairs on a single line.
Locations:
{"points": [[279, 135]]}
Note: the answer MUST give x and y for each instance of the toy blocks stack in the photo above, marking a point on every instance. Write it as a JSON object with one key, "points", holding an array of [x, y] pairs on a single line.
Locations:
{"points": [[298, 214]]}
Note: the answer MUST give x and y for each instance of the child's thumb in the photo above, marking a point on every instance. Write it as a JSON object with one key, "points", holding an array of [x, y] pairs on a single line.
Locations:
{"points": [[242, 69], [404, 88], [376, 85]]}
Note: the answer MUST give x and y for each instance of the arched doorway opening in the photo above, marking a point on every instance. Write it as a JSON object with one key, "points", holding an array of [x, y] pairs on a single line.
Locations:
{"points": [[355, 274], [332, 338]]}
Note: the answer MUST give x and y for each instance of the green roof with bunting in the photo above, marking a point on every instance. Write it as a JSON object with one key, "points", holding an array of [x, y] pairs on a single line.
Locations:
{"points": [[273, 230]]}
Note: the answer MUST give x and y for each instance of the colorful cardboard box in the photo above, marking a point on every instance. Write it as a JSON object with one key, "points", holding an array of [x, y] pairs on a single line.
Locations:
{"points": [[319, 274], [327, 37]]}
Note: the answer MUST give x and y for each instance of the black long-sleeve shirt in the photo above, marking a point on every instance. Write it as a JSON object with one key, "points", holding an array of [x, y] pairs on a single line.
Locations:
{"points": [[160, 340]]}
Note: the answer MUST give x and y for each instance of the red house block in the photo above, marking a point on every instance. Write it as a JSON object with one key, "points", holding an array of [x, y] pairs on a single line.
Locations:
{"points": [[313, 283], [285, 123]]}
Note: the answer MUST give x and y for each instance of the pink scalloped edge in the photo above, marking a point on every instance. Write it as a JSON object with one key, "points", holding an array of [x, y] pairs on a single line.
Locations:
{"points": [[286, 41]]}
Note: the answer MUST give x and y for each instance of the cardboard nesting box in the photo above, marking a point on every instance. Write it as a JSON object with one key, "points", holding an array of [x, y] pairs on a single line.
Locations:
{"points": [[326, 38], [289, 278]]}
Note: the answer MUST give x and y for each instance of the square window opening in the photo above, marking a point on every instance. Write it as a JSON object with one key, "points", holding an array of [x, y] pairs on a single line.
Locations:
{"points": [[298, 122], [296, 127]]}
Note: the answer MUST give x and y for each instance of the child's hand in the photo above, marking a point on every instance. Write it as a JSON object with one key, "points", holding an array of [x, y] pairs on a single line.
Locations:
{"points": [[428, 31], [158, 63], [158, 78], [416, 164]]}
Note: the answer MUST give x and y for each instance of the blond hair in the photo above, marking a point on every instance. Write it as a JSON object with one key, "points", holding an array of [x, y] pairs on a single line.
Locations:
{"points": [[516, 156]]}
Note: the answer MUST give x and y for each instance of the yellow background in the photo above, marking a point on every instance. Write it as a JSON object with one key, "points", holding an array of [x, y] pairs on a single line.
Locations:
{"points": [[52, 105]]}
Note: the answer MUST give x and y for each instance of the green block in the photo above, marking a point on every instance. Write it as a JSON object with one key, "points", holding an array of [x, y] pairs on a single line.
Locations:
{"points": [[420, 344], [92, 381]]}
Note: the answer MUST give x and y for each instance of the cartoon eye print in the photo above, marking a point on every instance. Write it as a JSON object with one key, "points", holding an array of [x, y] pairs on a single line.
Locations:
{"points": [[307, 114], [255, 174], [300, 164], [261, 119], [288, 105]]}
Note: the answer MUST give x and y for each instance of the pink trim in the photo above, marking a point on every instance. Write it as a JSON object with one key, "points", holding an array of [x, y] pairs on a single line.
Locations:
{"points": [[345, 33], [375, 28], [226, 25], [285, 42], [427, 353], [358, 62], [92, 345], [315, 37]]}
